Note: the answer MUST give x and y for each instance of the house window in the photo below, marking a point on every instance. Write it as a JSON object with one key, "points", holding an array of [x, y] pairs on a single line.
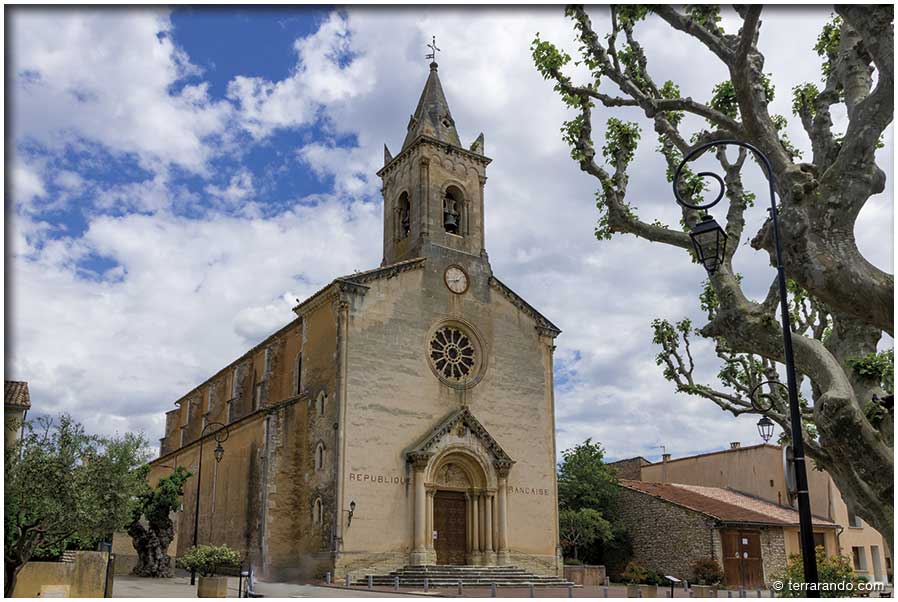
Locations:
{"points": [[859, 557], [297, 373], [232, 409], [317, 511], [319, 456], [820, 541], [321, 402], [234, 383]]}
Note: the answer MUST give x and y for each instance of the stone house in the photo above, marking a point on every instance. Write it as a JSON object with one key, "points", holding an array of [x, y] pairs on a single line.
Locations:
{"points": [[673, 525], [404, 417], [758, 471]]}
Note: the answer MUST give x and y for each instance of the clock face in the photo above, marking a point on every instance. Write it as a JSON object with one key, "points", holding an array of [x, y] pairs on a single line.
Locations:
{"points": [[456, 279]]}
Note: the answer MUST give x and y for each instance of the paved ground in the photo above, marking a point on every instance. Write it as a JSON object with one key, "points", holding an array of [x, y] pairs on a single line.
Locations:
{"points": [[613, 591], [129, 586]]}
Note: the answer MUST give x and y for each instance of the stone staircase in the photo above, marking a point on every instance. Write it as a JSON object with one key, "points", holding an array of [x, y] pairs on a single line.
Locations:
{"points": [[470, 576]]}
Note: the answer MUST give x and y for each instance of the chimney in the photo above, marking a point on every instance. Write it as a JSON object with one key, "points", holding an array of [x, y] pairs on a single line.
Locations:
{"points": [[735, 445], [665, 458]]}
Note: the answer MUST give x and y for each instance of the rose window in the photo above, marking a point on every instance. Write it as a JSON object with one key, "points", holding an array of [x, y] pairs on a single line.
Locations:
{"points": [[452, 353]]}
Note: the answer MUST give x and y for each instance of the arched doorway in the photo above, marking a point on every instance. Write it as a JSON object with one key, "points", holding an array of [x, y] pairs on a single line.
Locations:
{"points": [[461, 489]]}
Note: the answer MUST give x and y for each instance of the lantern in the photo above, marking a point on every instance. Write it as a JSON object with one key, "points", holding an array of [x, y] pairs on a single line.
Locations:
{"points": [[710, 242], [765, 428], [219, 452]]}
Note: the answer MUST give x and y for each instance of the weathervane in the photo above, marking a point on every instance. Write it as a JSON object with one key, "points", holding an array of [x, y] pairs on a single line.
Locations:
{"points": [[433, 50]]}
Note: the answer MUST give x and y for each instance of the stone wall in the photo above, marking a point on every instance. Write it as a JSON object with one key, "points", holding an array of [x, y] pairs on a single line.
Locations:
{"points": [[666, 538], [773, 552]]}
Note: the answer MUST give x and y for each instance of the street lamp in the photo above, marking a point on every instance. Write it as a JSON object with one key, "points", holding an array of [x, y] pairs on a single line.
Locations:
{"points": [[765, 428], [709, 240], [220, 435]]}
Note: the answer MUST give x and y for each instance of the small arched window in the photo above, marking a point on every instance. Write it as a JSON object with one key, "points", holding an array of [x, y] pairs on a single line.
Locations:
{"points": [[319, 456], [453, 211], [317, 511], [403, 216], [321, 403]]}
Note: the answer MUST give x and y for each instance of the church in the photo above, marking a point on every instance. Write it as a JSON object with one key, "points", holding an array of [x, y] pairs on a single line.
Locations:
{"points": [[405, 417]]}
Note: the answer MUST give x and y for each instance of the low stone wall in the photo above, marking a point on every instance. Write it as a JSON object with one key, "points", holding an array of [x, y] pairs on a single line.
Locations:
{"points": [[85, 577], [585, 574]]}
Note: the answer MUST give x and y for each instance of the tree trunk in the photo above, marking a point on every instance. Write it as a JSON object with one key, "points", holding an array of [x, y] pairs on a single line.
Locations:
{"points": [[11, 570], [152, 548]]}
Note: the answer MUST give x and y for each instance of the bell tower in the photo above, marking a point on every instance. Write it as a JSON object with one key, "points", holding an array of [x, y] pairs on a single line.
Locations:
{"points": [[433, 188]]}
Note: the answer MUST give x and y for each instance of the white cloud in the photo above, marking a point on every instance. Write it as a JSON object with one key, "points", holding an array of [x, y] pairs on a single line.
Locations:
{"points": [[323, 74], [106, 76]]}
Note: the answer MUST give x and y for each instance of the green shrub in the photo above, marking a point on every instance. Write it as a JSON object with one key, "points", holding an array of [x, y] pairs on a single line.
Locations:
{"points": [[206, 559], [572, 561], [634, 574], [832, 569], [655, 578], [706, 571]]}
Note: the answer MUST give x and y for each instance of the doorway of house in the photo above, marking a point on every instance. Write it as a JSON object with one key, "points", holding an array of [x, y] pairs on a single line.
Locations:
{"points": [[450, 526], [742, 563]]}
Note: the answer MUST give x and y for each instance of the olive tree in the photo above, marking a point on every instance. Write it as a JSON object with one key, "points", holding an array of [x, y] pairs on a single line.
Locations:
{"points": [[152, 529], [60, 482], [841, 303]]}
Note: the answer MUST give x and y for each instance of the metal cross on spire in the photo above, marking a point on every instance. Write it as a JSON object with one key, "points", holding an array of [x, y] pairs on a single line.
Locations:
{"points": [[433, 50]]}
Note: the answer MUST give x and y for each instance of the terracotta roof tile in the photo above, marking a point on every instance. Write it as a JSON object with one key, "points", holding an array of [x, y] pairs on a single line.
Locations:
{"points": [[16, 394], [724, 505]]}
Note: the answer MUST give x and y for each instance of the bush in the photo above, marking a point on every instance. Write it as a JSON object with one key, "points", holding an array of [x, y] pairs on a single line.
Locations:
{"points": [[206, 559], [834, 569], [655, 578], [634, 574], [706, 572], [572, 562]]}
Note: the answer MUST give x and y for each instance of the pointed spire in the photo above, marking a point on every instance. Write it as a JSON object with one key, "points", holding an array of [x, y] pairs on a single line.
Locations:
{"points": [[432, 117], [477, 146], [388, 156]]}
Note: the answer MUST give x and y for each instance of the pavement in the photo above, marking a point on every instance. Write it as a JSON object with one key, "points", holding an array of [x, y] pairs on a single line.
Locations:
{"points": [[129, 586]]}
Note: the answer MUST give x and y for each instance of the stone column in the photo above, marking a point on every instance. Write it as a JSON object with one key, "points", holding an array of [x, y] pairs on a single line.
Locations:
{"points": [[475, 529], [489, 556], [502, 556], [468, 529], [429, 520], [419, 552]]}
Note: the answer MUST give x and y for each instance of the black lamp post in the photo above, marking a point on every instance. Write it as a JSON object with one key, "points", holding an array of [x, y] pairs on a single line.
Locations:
{"points": [[220, 435], [709, 240]]}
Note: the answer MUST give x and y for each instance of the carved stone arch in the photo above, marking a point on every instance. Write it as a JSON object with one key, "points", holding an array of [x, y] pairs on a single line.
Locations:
{"points": [[457, 467]]}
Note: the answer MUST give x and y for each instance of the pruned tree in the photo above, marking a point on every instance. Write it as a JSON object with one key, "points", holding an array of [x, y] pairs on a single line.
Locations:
{"points": [[152, 529], [842, 304], [61, 482]]}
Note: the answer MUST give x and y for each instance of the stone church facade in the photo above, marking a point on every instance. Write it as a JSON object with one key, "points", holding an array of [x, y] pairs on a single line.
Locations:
{"points": [[404, 417]]}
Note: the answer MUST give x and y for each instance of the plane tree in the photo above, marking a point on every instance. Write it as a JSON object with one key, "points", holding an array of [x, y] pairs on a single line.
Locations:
{"points": [[841, 304]]}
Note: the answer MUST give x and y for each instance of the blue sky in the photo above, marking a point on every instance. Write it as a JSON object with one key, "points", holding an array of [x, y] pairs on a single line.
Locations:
{"points": [[179, 177]]}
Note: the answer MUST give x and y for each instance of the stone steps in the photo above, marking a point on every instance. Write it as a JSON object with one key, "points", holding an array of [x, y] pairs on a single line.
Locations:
{"points": [[469, 576]]}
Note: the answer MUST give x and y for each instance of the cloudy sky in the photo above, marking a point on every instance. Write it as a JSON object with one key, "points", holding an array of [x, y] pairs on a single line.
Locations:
{"points": [[178, 177]]}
